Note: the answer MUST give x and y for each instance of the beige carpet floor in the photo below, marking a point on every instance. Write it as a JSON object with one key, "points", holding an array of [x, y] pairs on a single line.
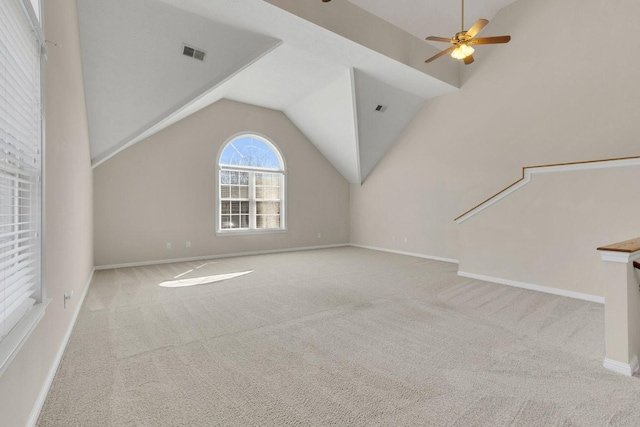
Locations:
{"points": [[336, 337]]}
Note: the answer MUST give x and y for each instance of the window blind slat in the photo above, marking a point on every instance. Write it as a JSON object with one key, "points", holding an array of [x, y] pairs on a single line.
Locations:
{"points": [[25, 264], [10, 151], [13, 318], [12, 145], [14, 234], [21, 297], [20, 284], [23, 252], [13, 242]]}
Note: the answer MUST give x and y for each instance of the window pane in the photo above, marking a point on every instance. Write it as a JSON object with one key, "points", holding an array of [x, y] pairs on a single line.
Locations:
{"points": [[244, 207], [235, 219], [268, 186], [270, 208], [267, 221], [235, 192], [273, 221], [243, 178], [245, 221], [244, 192], [225, 191], [271, 193], [235, 207], [225, 208], [225, 222]]}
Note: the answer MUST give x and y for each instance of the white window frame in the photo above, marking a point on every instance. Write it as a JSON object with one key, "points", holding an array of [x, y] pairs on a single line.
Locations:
{"points": [[12, 343], [252, 193]]}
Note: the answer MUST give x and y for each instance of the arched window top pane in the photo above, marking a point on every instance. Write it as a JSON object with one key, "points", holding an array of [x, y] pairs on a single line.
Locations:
{"points": [[251, 151]]}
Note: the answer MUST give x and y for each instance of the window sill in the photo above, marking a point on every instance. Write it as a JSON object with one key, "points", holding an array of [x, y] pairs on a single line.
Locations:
{"points": [[11, 345], [236, 233]]}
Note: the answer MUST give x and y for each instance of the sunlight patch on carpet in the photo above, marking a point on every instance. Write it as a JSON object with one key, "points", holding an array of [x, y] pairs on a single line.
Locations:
{"points": [[202, 280]]}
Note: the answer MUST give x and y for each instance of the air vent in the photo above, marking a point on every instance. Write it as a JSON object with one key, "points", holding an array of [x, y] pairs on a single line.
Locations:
{"points": [[192, 52], [381, 108]]}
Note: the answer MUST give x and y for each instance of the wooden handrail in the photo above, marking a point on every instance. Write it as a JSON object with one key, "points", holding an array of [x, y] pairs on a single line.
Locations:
{"points": [[628, 246], [524, 170]]}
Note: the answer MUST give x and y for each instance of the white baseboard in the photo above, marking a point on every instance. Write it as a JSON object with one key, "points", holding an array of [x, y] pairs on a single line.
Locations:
{"points": [[42, 396], [545, 289], [205, 257], [622, 368], [413, 254]]}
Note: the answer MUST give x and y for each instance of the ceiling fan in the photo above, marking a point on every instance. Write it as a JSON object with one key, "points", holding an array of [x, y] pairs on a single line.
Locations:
{"points": [[462, 41]]}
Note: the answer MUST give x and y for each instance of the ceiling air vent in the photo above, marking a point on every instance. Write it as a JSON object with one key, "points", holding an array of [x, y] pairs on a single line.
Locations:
{"points": [[192, 52]]}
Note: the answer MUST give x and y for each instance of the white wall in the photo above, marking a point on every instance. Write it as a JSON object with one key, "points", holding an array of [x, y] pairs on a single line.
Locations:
{"points": [[546, 97], [68, 216], [163, 190]]}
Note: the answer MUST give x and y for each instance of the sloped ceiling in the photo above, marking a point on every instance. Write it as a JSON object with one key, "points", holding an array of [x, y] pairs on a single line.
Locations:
{"points": [[134, 72], [334, 126], [377, 130], [278, 56]]}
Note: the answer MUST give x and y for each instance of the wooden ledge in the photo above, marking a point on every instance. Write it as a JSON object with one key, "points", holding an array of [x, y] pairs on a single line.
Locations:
{"points": [[628, 246]]}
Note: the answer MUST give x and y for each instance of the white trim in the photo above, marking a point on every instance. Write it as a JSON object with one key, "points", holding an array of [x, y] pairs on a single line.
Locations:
{"points": [[529, 286], [622, 368], [42, 396], [547, 169], [248, 231], [413, 254], [205, 257], [619, 257], [354, 105]]}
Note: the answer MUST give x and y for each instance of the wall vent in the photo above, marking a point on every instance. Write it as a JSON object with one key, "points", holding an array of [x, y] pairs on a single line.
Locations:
{"points": [[381, 108], [193, 52]]}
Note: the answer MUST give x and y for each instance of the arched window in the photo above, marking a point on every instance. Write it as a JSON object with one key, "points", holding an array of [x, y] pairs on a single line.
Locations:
{"points": [[251, 177]]}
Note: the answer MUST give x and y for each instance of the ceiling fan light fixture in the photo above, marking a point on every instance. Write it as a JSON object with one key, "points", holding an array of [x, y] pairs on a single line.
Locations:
{"points": [[462, 51]]}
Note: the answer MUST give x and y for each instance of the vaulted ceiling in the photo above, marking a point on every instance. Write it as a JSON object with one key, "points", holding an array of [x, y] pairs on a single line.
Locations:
{"points": [[327, 66]]}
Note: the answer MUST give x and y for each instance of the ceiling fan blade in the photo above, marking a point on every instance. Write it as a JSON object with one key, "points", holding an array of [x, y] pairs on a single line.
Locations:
{"points": [[439, 39], [468, 60], [477, 27], [438, 55], [490, 40]]}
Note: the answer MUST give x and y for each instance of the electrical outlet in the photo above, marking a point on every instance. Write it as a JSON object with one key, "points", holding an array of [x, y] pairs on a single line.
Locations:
{"points": [[67, 296], [168, 245], [188, 244]]}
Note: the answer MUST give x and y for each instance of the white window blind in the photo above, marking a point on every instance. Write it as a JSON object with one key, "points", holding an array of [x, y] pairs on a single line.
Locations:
{"points": [[20, 166]]}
